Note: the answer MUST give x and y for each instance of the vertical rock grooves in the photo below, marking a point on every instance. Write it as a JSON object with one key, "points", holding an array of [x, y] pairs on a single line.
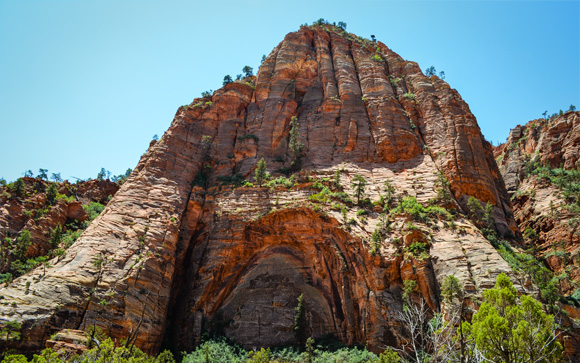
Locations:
{"points": [[234, 261]]}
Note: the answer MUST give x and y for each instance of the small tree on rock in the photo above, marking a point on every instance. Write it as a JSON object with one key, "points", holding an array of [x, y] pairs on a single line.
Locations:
{"points": [[261, 174], [248, 71], [295, 145], [42, 174], [227, 79], [51, 194], [359, 186]]}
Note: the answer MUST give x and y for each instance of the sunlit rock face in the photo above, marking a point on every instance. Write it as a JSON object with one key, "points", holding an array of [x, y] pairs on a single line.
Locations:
{"points": [[178, 251]]}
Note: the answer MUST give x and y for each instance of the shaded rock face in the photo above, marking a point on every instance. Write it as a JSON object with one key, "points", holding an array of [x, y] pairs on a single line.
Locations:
{"points": [[175, 253]]}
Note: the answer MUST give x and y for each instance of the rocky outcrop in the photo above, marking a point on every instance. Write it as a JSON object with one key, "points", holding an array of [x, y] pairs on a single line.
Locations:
{"points": [[179, 251], [545, 206], [30, 210], [539, 162]]}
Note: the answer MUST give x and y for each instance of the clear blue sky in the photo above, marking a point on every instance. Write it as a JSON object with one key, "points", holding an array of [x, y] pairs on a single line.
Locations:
{"points": [[86, 84]]}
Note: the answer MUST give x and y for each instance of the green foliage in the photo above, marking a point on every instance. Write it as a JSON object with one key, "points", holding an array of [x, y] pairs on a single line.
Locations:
{"points": [[431, 71], [475, 210], [51, 193], [408, 287], [18, 187], [42, 174], [409, 96], [322, 197], [358, 184], [389, 356], [389, 193], [300, 323], [261, 175], [261, 356], [530, 234], [103, 174], [56, 236], [227, 79], [236, 179], [22, 243], [248, 136], [529, 265], [416, 248], [283, 181], [218, 351], [443, 188], [295, 145], [567, 181], [10, 330], [120, 179], [248, 71], [376, 241], [377, 58], [410, 205], [337, 184], [361, 212], [507, 331], [451, 289], [93, 209]]}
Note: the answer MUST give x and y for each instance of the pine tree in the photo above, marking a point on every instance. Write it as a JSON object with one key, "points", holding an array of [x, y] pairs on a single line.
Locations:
{"points": [[227, 79], [296, 147], [300, 328], [359, 185], [261, 173], [51, 194]]}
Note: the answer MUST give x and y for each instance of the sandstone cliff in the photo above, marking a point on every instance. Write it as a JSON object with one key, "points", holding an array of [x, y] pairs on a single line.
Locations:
{"points": [[180, 250], [539, 163]]}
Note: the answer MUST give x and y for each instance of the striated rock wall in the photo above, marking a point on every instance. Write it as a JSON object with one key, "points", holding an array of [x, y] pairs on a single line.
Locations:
{"points": [[175, 253]]}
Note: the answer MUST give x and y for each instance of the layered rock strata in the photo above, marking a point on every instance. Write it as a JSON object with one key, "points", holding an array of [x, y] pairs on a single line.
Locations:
{"points": [[175, 253]]}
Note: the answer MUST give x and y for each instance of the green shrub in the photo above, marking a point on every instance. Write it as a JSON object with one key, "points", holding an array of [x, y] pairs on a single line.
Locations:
{"points": [[416, 248], [409, 96], [248, 136], [236, 179]]}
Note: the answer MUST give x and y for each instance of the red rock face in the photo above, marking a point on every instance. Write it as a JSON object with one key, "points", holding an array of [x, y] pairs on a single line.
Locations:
{"points": [[546, 217], [175, 254]]}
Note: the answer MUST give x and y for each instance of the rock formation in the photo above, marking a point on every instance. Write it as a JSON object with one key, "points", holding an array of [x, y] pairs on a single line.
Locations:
{"points": [[539, 163], [185, 247]]}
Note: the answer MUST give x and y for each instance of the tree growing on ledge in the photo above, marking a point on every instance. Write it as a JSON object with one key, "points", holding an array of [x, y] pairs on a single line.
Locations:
{"points": [[248, 71], [227, 79], [359, 184], [296, 146], [261, 174]]}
